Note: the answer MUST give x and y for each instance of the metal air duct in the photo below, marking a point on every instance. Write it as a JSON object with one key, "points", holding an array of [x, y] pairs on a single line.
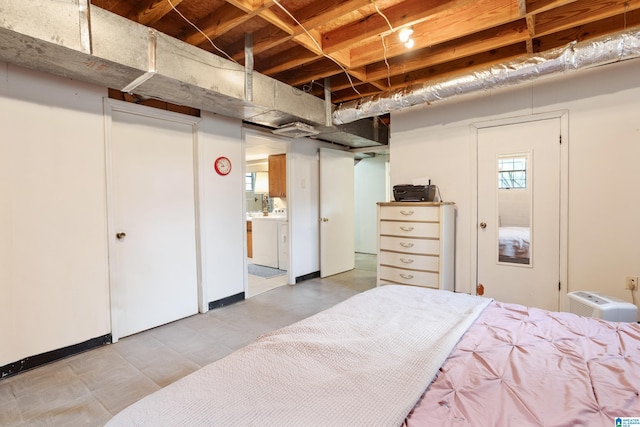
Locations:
{"points": [[73, 39], [574, 56]]}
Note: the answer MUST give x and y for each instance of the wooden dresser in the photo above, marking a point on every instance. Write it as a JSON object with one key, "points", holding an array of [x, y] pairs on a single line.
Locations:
{"points": [[416, 244]]}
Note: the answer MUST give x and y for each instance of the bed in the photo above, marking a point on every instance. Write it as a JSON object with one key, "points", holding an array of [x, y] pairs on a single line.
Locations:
{"points": [[400, 355], [514, 244]]}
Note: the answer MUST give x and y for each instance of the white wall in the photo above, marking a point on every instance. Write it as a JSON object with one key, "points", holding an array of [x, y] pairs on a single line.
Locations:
{"points": [[54, 272], [370, 188], [53, 243], [222, 216], [603, 107]]}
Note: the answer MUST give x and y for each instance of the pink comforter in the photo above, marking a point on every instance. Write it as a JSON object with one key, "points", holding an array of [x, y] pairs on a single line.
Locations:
{"points": [[519, 366]]}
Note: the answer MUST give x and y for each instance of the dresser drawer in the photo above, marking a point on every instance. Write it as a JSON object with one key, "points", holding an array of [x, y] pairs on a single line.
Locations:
{"points": [[417, 262], [410, 213], [410, 229], [409, 277], [409, 245]]}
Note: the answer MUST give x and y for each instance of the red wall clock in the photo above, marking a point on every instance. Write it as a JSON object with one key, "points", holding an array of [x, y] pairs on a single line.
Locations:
{"points": [[222, 166]]}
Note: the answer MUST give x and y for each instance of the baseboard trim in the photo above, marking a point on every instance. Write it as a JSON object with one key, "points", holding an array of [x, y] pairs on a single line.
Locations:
{"points": [[309, 276], [51, 356], [226, 301]]}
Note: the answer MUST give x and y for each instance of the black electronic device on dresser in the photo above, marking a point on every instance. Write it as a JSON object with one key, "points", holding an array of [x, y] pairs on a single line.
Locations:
{"points": [[414, 193]]}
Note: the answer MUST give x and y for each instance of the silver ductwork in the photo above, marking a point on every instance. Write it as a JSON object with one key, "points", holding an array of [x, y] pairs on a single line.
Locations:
{"points": [[73, 39], [574, 56]]}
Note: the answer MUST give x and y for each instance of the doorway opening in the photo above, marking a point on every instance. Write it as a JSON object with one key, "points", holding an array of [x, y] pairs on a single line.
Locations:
{"points": [[266, 213]]}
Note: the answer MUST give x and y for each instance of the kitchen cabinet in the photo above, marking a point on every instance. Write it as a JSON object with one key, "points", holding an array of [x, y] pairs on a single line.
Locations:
{"points": [[278, 175], [416, 244]]}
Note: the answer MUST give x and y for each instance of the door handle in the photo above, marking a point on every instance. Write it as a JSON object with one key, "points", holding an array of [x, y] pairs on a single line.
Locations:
{"points": [[121, 236], [325, 219], [483, 225]]}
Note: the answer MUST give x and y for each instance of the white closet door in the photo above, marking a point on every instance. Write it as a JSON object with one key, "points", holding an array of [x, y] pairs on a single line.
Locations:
{"points": [[337, 221], [153, 232]]}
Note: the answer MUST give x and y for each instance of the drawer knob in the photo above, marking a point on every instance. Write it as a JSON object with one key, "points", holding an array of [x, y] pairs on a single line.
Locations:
{"points": [[406, 213], [405, 228], [406, 260], [406, 276], [406, 245]]}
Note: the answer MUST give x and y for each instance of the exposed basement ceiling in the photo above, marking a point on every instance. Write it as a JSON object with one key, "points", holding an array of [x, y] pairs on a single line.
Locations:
{"points": [[302, 42], [277, 62]]}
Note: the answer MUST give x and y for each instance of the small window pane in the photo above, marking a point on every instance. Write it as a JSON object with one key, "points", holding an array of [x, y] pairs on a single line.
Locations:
{"points": [[512, 172]]}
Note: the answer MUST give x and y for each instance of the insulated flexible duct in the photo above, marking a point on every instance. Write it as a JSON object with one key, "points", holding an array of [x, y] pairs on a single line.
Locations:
{"points": [[615, 47]]}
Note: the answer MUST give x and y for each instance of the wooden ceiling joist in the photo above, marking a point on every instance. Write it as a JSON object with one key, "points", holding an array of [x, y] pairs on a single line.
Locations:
{"points": [[338, 39]]}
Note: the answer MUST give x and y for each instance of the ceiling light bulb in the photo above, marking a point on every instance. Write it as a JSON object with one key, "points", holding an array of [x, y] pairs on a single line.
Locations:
{"points": [[404, 34], [409, 44]]}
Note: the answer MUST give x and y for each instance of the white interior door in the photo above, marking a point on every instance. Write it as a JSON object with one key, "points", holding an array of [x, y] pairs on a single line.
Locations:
{"points": [[518, 238], [337, 222], [153, 230]]}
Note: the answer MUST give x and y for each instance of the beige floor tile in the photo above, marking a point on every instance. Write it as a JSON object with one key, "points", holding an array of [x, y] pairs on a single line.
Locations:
{"points": [[115, 398], [89, 388], [168, 366]]}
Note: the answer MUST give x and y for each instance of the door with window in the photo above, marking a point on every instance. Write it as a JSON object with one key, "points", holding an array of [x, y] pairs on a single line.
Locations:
{"points": [[518, 234]]}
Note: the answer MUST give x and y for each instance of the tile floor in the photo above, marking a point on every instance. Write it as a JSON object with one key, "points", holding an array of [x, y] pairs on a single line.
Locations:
{"points": [[89, 388], [258, 285]]}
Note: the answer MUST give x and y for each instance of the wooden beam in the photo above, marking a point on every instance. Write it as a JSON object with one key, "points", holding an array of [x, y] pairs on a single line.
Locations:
{"points": [[251, 6], [587, 31], [217, 23], [495, 38], [311, 17], [422, 11], [445, 27], [538, 6], [579, 13], [151, 11], [289, 60]]}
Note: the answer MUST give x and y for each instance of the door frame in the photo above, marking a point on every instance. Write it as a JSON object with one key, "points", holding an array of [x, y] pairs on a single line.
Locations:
{"points": [[563, 115], [291, 279], [109, 106]]}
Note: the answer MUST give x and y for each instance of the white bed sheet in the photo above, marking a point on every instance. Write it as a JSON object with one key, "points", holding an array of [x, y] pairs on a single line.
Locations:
{"points": [[364, 362]]}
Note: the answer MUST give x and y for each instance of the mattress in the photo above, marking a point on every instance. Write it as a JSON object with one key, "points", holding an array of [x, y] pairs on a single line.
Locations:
{"points": [[526, 366]]}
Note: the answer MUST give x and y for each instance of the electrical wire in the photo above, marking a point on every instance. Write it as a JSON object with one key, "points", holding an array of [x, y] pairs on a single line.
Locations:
{"points": [[384, 45], [383, 15], [202, 32], [386, 61], [318, 45]]}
